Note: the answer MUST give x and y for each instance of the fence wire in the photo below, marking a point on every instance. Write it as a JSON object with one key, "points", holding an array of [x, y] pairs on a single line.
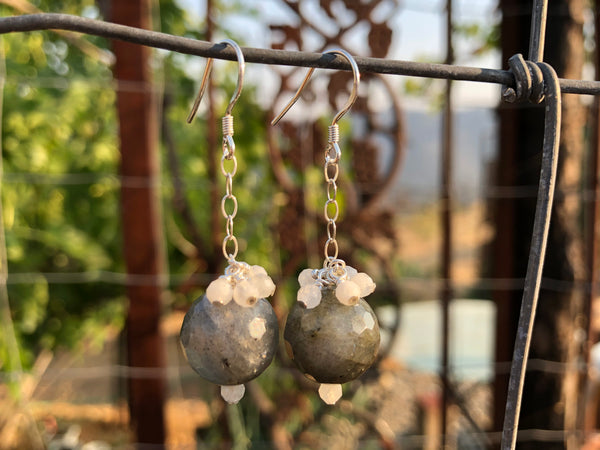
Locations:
{"points": [[526, 80]]}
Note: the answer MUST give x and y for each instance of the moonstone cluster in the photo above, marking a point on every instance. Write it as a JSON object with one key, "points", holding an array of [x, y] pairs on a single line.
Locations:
{"points": [[231, 342], [350, 287], [244, 285]]}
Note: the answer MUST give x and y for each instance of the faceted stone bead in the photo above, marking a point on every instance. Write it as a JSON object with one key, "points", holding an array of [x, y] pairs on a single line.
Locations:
{"points": [[351, 271], [347, 292], [309, 295], [257, 270], [333, 343], [220, 290], [364, 282], [233, 394], [245, 293], [264, 285], [306, 277], [330, 393], [229, 344]]}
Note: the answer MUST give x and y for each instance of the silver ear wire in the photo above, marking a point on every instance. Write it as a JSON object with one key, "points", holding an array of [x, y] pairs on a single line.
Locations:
{"points": [[353, 93], [207, 71]]}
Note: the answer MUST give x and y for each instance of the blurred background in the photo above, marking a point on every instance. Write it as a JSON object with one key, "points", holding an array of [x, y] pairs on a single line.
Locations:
{"points": [[111, 225]]}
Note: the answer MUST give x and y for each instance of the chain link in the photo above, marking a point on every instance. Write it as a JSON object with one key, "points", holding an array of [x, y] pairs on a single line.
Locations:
{"points": [[331, 171], [229, 198]]}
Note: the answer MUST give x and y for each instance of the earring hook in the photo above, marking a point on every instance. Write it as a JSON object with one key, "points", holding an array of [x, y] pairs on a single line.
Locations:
{"points": [[207, 71], [353, 93]]}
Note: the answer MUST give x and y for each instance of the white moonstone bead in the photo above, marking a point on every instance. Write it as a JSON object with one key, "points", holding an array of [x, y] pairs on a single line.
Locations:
{"points": [[245, 293], [306, 277], [233, 394], [364, 282], [348, 293], [330, 393], [257, 270], [219, 291], [351, 271], [264, 285], [310, 295]]}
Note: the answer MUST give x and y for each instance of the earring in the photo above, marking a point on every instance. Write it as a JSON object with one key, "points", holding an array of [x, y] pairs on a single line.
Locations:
{"points": [[331, 332], [230, 335]]}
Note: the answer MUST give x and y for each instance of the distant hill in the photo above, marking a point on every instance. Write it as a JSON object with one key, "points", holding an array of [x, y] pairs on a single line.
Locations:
{"points": [[475, 138]]}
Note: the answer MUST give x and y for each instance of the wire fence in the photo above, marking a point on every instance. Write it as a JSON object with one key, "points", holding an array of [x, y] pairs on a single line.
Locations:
{"points": [[525, 79]]}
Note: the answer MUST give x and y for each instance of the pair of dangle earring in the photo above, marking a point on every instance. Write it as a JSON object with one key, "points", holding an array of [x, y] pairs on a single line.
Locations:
{"points": [[331, 332], [230, 335]]}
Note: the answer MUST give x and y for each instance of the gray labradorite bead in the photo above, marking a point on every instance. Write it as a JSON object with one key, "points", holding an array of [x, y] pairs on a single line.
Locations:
{"points": [[332, 343], [229, 344]]}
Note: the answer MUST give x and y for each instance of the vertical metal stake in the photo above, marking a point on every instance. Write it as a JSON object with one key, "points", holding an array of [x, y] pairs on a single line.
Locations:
{"points": [[537, 38], [446, 223], [537, 252]]}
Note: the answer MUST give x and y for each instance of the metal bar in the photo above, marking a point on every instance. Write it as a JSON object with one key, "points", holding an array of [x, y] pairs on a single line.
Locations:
{"points": [[50, 21], [537, 252], [446, 223], [537, 38]]}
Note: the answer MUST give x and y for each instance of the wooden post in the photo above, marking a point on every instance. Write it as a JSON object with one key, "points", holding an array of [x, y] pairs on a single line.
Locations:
{"points": [[142, 233]]}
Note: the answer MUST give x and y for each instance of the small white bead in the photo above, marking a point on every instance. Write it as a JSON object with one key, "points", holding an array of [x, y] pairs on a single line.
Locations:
{"points": [[310, 295], [348, 293], [220, 291], [257, 270], [264, 285], [351, 271], [233, 394], [306, 277], [364, 282], [245, 293], [330, 393]]}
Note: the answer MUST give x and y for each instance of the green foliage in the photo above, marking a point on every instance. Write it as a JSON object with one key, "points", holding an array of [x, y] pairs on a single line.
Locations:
{"points": [[59, 198], [485, 38], [60, 191]]}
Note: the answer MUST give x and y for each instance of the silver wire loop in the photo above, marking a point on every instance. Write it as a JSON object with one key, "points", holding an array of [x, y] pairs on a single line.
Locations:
{"points": [[224, 206], [230, 256], [333, 271], [207, 71], [353, 93]]}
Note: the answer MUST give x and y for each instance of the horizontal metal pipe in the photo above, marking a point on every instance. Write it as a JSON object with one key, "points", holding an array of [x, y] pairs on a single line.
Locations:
{"points": [[51, 21]]}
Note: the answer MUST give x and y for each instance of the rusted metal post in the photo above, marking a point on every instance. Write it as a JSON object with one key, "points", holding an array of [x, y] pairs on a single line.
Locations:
{"points": [[446, 222], [509, 217], [537, 37], [140, 210], [592, 245]]}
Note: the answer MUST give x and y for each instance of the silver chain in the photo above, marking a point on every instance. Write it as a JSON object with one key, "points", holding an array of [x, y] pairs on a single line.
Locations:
{"points": [[331, 213], [229, 155]]}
